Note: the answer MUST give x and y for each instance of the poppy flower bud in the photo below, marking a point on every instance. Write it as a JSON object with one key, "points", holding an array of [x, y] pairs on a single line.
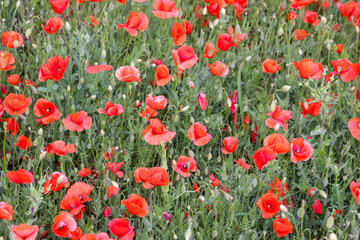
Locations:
{"points": [[323, 20], [329, 222], [228, 102], [248, 58], [59, 179], [42, 155], [332, 236], [357, 30], [110, 88], [188, 234], [209, 156], [328, 47], [92, 97], [204, 12], [323, 193], [301, 212], [223, 12], [216, 22], [68, 88], [34, 46], [67, 26], [102, 133], [175, 237], [40, 132], [272, 106], [184, 109], [283, 208], [214, 234], [28, 32], [281, 31], [103, 54], [285, 88], [114, 184], [211, 25], [352, 89], [18, 4], [191, 84], [300, 52]]}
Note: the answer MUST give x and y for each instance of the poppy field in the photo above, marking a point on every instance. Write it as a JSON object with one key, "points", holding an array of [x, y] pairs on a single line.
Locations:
{"points": [[161, 119]]}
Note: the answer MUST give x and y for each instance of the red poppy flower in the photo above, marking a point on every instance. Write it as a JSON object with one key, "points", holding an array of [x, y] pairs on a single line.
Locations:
{"points": [[47, 111], [111, 109], [282, 227], [13, 79], [24, 232], [20, 176], [11, 39], [136, 205], [338, 48], [162, 75], [165, 9], [98, 68], [77, 121], [242, 163], [198, 133], [128, 74], [16, 104], [202, 101], [277, 142], [300, 4], [292, 15], [350, 10], [301, 150], [354, 127], [84, 172], [184, 165], [214, 181], [317, 207], [196, 188], [300, 34], [278, 117], [136, 21], [120, 228], [6, 211], [210, 50], [112, 191], [24, 142], [308, 68], [188, 27], [59, 6], [355, 191], [76, 235], [64, 224], [92, 21], [53, 25], [313, 108], [270, 66], [178, 33], [156, 133], [115, 168], [54, 69], [6, 59], [11, 126], [107, 212], [236, 37], [74, 205], [184, 57], [262, 156], [156, 176], [219, 68], [148, 113], [60, 148], [80, 189], [158, 102], [310, 17], [225, 41], [230, 145], [213, 8], [269, 205], [56, 182], [278, 189], [348, 71]]}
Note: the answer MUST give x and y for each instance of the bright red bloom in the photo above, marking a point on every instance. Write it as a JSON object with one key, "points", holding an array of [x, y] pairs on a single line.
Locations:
{"points": [[178, 33], [347, 70], [213, 8], [53, 25], [188, 26], [11, 126], [8, 39], [292, 15], [262, 156], [60, 148], [136, 205], [92, 21], [24, 142], [313, 108], [210, 50], [269, 205], [6, 59], [128, 74], [16, 104], [310, 191], [214, 181], [112, 191], [115, 168], [156, 176], [282, 227], [198, 133], [13, 79], [196, 188], [278, 117], [317, 207], [158, 102], [156, 133], [308, 68], [6, 211], [64, 224], [59, 6], [77, 121], [136, 21], [236, 37], [338, 48], [354, 127], [184, 165], [120, 228], [355, 191], [242, 163], [350, 10], [230, 145], [310, 17], [47, 111], [111, 109], [270, 66], [98, 68], [225, 41], [80, 189], [162, 75], [184, 57], [84, 172], [165, 9], [74, 204], [20, 176], [300, 4], [107, 212], [24, 232], [301, 150], [300, 34], [219, 68], [56, 182], [54, 69], [202, 101], [277, 142], [149, 113]]}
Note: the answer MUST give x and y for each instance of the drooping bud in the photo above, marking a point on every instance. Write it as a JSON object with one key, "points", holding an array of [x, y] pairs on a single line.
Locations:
{"points": [[202, 101]]}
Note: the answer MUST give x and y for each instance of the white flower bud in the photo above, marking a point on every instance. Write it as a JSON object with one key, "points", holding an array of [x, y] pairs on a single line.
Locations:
{"points": [[329, 222], [188, 234], [323, 20], [285, 88], [18, 4], [272, 106], [216, 22], [352, 89], [277, 126], [28, 32], [102, 133], [184, 109], [248, 58], [283, 208], [201, 198], [68, 88], [281, 31], [110, 88], [103, 54], [204, 12], [67, 26], [138, 60], [153, 65], [42, 155], [300, 52], [40, 132], [211, 25], [114, 184], [301, 212], [332, 236], [328, 47], [323, 193], [357, 30], [34, 46], [92, 97]]}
